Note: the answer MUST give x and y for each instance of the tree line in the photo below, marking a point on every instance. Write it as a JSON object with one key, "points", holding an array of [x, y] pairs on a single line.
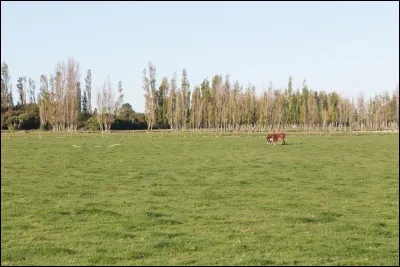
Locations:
{"points": [[221, 105], [63, 104]]}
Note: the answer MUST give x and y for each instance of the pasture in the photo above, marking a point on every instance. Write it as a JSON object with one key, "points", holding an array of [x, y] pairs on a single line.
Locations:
{"points": [[199, 199]]}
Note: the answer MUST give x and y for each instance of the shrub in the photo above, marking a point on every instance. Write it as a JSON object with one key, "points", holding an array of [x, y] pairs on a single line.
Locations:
{"points": [[92, 124]]}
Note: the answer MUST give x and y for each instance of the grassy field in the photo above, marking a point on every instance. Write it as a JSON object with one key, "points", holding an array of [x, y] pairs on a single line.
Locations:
{"points": [[195, 199]]}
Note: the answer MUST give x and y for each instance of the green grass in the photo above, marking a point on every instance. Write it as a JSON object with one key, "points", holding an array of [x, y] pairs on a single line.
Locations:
{"points": [[196, 199]]}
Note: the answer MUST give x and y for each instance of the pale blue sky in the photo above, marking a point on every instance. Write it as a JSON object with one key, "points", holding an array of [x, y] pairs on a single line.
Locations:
{"points": [[344, 46]]}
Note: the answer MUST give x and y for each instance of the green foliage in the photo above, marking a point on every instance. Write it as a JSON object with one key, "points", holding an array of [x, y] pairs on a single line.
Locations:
{"points": [[126, 111], [234, 200], [26, 117], [29, 121], [162, 119], [82, 119], [124, 124], [140, 120], [79, 97], [92, 124], [6, 94], [21, 90], [85, 103], [4, 108], [88, 89], [129, 120], [45, 127], [13, 123], [21, 118], [3, 122]]}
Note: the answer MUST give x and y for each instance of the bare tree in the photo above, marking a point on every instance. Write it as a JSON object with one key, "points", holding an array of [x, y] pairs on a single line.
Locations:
{"points": [[52, 115], [120, 99], [5, 85], [88, 87], [60, 98], [185, 98], [195, 113], [78, 97], [71, 94], [225, 102], [100, 109], [361, 111], [312, 109], [148, 100], [24, 90], [154, 96], [20, 90], [10, 100], [235, 107], [110, 104], [179, 110], [171, 103], [106, 106], [149, 86], [44, 100]]}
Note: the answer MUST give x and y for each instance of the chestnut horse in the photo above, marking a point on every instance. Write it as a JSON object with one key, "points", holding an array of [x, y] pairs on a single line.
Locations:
{"points": [[273, 137]]}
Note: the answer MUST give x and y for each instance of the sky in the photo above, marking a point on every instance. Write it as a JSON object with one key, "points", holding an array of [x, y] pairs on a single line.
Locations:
{"points": [[347, 47]]}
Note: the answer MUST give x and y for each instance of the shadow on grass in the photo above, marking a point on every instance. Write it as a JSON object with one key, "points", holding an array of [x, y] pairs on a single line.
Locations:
{"points": [[286, 144]]}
